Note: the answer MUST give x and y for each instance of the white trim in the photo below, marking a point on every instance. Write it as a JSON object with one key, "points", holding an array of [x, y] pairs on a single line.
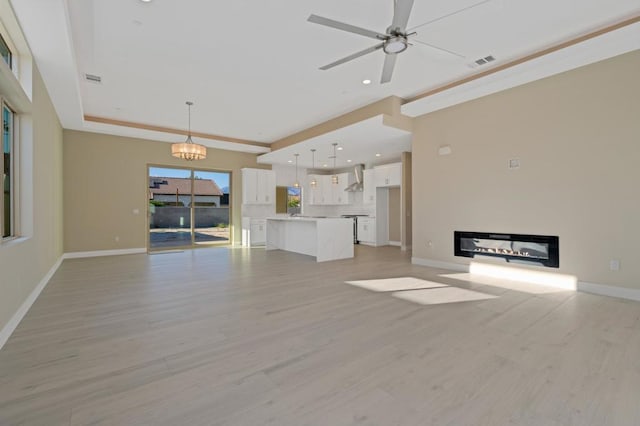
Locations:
{"points": [[609, 290], [395, 243], [10, 326], [99, 253], [440, 264]]}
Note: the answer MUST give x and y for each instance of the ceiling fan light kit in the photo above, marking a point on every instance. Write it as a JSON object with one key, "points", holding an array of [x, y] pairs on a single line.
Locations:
{"points": [[395, 45]]}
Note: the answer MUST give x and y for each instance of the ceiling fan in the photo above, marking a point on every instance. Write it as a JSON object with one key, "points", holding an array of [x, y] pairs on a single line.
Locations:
{"points": [[394, 41]]}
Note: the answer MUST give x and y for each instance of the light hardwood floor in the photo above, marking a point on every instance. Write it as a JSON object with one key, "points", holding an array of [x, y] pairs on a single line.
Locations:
{"points": [[249, 337]]}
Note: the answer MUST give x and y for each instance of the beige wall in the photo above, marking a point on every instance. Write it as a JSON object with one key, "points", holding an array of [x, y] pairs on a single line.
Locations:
{"points": [[105, 179], [394, 214], [25, 262], [577, 136]]}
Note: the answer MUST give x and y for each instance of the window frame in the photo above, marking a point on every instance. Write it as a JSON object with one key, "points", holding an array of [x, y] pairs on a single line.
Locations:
{"points": [[11, 50], [13, 175]]}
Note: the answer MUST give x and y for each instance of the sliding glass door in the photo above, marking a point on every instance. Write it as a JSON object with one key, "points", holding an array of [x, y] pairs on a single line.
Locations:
{"points": [[211, 212], [188, 207]]}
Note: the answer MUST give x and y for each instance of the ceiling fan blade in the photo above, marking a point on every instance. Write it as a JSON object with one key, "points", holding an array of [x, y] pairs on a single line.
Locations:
{"points": [[387, 70], [449, 14], [442, 49], [345, 27], [401, 14], [353, 56]]}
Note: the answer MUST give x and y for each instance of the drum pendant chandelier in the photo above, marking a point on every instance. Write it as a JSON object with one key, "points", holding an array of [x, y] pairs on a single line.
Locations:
{"points": [[188, 150]]}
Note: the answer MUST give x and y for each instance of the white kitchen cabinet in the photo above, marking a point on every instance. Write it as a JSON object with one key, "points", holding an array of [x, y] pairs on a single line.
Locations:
{"points": [[315, 192], [258, 186], [367, 230], [267, 187], [369, 192], [327, 190], [339, 196], [327, 193], [254, 231], [388, 175]]}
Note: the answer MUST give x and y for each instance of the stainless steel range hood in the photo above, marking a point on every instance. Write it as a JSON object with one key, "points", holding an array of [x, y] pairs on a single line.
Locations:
{"points": [[358, 185]]}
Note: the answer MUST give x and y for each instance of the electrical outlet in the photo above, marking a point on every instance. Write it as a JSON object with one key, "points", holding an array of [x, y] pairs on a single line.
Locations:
{"points": [[117, 239], [614, 265]]}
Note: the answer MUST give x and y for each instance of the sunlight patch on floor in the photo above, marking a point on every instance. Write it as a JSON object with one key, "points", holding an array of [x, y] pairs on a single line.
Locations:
{"points": [[437, 296], [395, 284], [506, 284], [542, 278]]}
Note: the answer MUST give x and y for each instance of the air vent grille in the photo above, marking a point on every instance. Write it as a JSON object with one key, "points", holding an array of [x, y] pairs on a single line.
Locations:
{"points": [[485, 60], [92, 78]]}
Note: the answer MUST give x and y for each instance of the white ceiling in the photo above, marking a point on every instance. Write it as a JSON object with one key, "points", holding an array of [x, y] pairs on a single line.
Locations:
{"points": [[251, 66]]}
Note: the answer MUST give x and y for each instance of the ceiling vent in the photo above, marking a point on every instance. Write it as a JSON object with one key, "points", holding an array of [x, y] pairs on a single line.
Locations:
{"points": [[92, 78], [482, 61], [485, 60]]}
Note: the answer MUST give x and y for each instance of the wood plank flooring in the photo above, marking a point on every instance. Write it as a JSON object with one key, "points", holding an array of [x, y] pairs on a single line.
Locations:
{"points": [[230, 336]]}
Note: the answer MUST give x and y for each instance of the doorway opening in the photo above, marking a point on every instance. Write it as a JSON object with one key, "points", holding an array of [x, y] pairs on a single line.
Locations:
{"points": [[188, 207]]}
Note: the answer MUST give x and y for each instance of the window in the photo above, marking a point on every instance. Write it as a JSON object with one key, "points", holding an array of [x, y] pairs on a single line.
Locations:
{"points": [[8, 192], [5, 52], [294, 197]]}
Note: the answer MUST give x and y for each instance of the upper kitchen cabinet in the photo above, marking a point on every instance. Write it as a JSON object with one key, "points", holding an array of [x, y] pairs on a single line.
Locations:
{"points": [[328, 193], [388, 175], [258, 186], [315, 194], [369, 187]]}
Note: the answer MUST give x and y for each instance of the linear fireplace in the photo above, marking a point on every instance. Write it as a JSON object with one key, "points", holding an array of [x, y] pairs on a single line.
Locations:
{"points": [[536, 249]]}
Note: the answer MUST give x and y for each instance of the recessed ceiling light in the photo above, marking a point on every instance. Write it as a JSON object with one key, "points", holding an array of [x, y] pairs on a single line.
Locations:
{"points": [[339, 148], [145, 1], [348, 161], [290, 161], [324, 165], [366, 81], [378, 154]]}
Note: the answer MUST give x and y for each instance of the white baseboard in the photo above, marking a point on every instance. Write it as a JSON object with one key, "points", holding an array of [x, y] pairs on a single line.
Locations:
{"points": [[395, 243], [609, 290], [98, 253], [10, 327], [440, 264]]}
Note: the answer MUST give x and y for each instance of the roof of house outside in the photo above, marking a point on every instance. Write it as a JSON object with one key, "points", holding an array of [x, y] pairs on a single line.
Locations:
{"points": [[167, 185]]}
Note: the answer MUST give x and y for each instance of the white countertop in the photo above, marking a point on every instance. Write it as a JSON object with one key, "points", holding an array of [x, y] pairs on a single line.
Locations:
{"points": [[307, 218]]}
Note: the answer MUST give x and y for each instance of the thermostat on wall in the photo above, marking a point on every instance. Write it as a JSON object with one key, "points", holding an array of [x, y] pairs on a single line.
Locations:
{"points": [[514, 163]]}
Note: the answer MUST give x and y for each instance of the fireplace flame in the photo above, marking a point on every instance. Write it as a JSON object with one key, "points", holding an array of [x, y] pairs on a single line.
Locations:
{"points": [[502, 251]]}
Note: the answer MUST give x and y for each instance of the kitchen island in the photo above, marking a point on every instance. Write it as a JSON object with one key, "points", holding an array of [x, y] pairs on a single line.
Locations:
{"points": [[324, 238]]}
